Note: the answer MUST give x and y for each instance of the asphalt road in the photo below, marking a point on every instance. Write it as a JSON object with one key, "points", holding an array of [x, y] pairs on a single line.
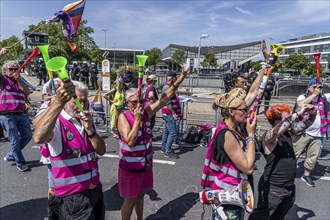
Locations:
{"points": [[23, 196]]}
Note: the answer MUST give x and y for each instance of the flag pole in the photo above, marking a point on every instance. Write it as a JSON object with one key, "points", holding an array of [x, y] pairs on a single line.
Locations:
{"points": [[27, 35]]}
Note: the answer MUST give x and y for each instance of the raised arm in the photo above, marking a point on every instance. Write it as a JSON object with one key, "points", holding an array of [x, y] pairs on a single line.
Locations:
{"points": [[44, 127], [252, 95], [128, 133], [153, 108], [270, 138]]}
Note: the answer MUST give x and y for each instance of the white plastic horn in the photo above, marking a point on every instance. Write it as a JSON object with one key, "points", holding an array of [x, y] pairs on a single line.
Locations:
{"points": [[241, 196]]}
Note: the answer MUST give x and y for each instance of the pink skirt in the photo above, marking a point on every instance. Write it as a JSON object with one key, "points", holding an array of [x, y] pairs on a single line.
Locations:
{"points": [[131, 183]]}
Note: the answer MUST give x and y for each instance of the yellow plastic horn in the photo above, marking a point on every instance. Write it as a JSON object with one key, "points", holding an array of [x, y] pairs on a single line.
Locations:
{"points": [[45, 54], [58, 64]]}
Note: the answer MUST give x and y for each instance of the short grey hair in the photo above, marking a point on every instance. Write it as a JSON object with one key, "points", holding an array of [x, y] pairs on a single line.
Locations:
{"points": [[10, 63], [56, 80], [130, 93], [80, 87]]}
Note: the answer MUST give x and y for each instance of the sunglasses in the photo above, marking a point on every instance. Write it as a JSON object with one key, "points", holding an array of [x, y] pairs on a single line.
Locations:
{"points": [[135, 102], [246, 109], [12, 69]]}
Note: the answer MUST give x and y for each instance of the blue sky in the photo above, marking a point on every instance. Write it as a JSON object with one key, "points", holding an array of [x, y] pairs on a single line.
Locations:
{"points": [[141, 24]]}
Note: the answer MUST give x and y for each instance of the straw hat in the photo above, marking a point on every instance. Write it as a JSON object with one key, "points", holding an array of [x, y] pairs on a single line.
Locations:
{"points": [[233, 99]]}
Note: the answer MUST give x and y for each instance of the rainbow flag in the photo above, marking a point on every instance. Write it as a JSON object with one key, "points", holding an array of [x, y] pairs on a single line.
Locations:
{"points": [[70, 16]]}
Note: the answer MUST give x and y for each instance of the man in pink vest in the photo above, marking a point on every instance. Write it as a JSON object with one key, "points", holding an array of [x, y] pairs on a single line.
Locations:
{"points": [[73, 148], [13, 93], [172, 115]]}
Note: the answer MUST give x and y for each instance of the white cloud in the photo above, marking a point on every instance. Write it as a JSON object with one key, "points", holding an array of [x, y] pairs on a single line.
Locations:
{"points": [[244, 11]]}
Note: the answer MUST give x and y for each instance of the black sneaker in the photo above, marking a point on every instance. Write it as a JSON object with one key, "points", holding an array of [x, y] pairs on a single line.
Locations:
{"points": [[23, 167], [308, 180], [171, 155]]}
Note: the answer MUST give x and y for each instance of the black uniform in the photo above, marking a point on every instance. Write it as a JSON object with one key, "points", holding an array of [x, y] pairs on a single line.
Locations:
{"points": [[84, 74], [268, 92], [93, 73], [128, 78], [75, 72], [276, 186], [42, 74]]}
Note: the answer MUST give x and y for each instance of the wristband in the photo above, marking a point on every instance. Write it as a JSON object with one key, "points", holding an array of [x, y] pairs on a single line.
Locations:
{"points": [[250, 138], [92, 135]]}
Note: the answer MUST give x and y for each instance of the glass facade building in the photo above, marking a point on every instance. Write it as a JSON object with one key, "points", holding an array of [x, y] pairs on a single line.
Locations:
{"points": [[120, 56], [308, 45], [228, 57]]}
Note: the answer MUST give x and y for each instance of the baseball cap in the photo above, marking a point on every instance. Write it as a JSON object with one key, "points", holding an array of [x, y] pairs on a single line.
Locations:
{"points": [[312, 82], [171, 73]]}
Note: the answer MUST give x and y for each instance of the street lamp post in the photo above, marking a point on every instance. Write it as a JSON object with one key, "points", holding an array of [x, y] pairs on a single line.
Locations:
{"points": [[199, 50], [114, 54], [105, 39]]}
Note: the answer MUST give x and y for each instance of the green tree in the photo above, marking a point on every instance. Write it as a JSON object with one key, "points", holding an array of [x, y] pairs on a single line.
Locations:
{"points": [[210, 61], [15, 52], [279, 67], [154, 57], [256, 65], [179, 57], [87, 48], [297, 62]]}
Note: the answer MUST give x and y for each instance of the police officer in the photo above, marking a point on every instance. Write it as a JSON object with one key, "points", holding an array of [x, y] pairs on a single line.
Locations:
{"points": [[93, 73], [84, 73], [75, 71], [42, 71]]}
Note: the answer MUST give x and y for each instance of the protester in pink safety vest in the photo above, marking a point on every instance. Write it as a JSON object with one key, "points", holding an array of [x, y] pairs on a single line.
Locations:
{"points": [[135, 173], [226, 163], [73, 148], [13, 120]]}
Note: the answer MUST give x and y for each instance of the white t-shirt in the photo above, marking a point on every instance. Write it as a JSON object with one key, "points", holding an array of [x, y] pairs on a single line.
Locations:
{"points": [[314, 129]]}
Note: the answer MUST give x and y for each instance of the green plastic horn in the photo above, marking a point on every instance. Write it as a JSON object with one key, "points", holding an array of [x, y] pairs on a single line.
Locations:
{"points": [[58, 64], [142, 60]]}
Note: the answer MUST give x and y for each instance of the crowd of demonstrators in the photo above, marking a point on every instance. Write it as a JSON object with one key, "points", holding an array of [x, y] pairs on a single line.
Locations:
{"points": [[230, 148], [311, 140], [172, 116], [276, 188], [135, 175], [13, 93], [73, 146], [116, 98]]}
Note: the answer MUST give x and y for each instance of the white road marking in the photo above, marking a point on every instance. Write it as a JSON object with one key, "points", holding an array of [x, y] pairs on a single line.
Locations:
{"points": [[35, 147], [325, 178], [154, 160]]}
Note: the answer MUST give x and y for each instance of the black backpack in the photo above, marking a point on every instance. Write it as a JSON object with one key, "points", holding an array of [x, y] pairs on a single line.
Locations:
{"points": [[192, 135]]}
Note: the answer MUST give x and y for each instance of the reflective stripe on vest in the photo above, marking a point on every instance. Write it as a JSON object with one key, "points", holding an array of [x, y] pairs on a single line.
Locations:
{"points": [[10, 101], [218, 182], [135, 159], [74, 161], [124, 146], [224, 169], [75, 179], [13, 93]]}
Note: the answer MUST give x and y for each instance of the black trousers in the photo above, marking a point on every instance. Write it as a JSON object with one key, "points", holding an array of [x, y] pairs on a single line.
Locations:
{"points": [[273, 202], [87, 205], [94, 82]]}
